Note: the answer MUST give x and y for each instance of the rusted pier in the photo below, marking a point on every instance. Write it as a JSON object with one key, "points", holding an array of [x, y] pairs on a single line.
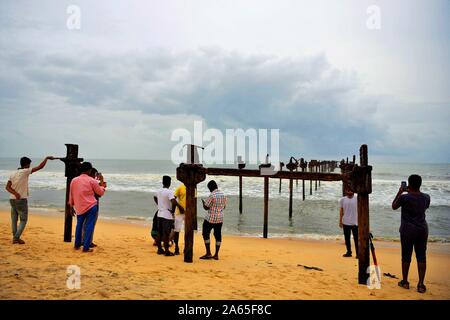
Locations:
{"points": [[357, 178], [72, 170]]}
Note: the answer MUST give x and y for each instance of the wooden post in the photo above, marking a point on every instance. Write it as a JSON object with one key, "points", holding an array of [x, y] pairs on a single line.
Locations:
{"points": [[190, 218], [190, 175], [316, 170], [72, 170], [240, 194], [241, 165], [266, 205], [303, 165], [281, 169], [320, 170], [290, 197], [364, 187]]}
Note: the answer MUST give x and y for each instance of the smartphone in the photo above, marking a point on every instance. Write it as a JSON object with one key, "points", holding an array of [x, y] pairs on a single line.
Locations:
{"points": [[404, 186]]}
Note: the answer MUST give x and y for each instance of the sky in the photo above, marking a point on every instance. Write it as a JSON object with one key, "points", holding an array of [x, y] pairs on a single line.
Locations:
{"points": [[135, 71]]}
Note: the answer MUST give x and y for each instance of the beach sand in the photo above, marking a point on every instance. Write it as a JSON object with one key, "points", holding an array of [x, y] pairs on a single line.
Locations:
{"points": [[126, 266]]}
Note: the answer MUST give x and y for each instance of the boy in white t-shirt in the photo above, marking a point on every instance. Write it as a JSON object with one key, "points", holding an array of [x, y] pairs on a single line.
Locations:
{"points": [[18, 187], [166, 202], [348, 220]]}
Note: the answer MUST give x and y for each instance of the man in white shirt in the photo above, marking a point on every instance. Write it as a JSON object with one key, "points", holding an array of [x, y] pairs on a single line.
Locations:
{"points": [[166, 202], [348, 220], [18, 187]]}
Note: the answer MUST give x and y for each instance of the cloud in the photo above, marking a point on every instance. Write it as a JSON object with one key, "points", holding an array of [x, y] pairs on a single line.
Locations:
{"points": [[116, 104]]}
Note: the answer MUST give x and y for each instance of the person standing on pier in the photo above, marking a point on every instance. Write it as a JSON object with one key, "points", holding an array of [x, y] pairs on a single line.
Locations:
{"points": [[348, 220], [17, 185], [215, 204]]}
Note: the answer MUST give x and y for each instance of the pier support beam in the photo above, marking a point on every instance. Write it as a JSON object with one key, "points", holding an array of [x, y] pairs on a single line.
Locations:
{"points": [[72, 163], [266, 206], [190, 175]]}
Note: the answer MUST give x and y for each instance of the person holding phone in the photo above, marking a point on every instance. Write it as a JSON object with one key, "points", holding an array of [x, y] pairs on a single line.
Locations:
{"points": [[413, 228], [98, 177], [215, 204]]}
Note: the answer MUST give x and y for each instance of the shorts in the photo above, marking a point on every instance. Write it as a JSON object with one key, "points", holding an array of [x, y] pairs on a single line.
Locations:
{"points": [[414, 238], [179, 222], [164, 228]]}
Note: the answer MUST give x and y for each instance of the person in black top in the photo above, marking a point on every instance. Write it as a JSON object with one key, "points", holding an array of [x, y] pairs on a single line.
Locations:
{"points": [[413, 228]]}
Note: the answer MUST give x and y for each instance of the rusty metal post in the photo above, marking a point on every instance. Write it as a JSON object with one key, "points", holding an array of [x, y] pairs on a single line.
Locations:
{"points": [[281, 169], [316, 170], [291, 166], [303, 165], [266, 206], [241, 165], [190, 174], [362, 184], [72, 170]]}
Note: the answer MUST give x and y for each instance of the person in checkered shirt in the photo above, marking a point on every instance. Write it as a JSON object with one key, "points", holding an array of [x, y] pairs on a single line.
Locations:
{"points": [[215, 204]]}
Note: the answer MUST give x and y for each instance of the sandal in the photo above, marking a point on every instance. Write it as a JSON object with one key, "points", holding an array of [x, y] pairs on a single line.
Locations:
{"points": [[421, 288], [404, 284]]}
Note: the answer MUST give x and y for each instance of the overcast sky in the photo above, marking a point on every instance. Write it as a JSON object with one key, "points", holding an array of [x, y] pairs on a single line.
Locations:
{"points": [[137, 70]]}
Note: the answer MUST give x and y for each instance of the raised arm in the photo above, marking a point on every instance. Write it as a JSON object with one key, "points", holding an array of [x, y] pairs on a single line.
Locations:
{"points": [[396, 203], [97, 188], [42, 164]]}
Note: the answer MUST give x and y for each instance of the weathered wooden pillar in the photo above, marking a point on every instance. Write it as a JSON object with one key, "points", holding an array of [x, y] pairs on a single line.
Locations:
{"points": [[291, 166], [72, 164], [316, 169], [320, 170], [360, 181], [240, 194], [241, 165], [364, 188], [303, 165], [266, 206], [190, 175], [281, 169]]}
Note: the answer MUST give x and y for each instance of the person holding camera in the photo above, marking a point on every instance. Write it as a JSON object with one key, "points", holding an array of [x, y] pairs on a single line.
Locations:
{"points": [[413, 228], [82, 197]]}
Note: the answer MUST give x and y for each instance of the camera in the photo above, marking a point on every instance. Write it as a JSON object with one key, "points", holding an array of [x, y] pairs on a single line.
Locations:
{"points": [[404, 186]]}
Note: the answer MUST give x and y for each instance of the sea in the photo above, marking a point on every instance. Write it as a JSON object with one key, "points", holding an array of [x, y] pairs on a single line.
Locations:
{"points": [[132, 184]]}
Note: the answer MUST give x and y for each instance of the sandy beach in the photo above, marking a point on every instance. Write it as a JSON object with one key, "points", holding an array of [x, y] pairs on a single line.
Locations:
{"points": [[125, 266]]}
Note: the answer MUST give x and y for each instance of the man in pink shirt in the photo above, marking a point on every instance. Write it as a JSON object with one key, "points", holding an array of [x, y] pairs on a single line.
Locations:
{"points": [[82, 198]]}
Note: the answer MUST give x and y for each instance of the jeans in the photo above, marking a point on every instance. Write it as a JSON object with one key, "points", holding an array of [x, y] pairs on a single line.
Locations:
{"points": [[347, 231], [84, 229], [89, 219], [19, 210]]}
